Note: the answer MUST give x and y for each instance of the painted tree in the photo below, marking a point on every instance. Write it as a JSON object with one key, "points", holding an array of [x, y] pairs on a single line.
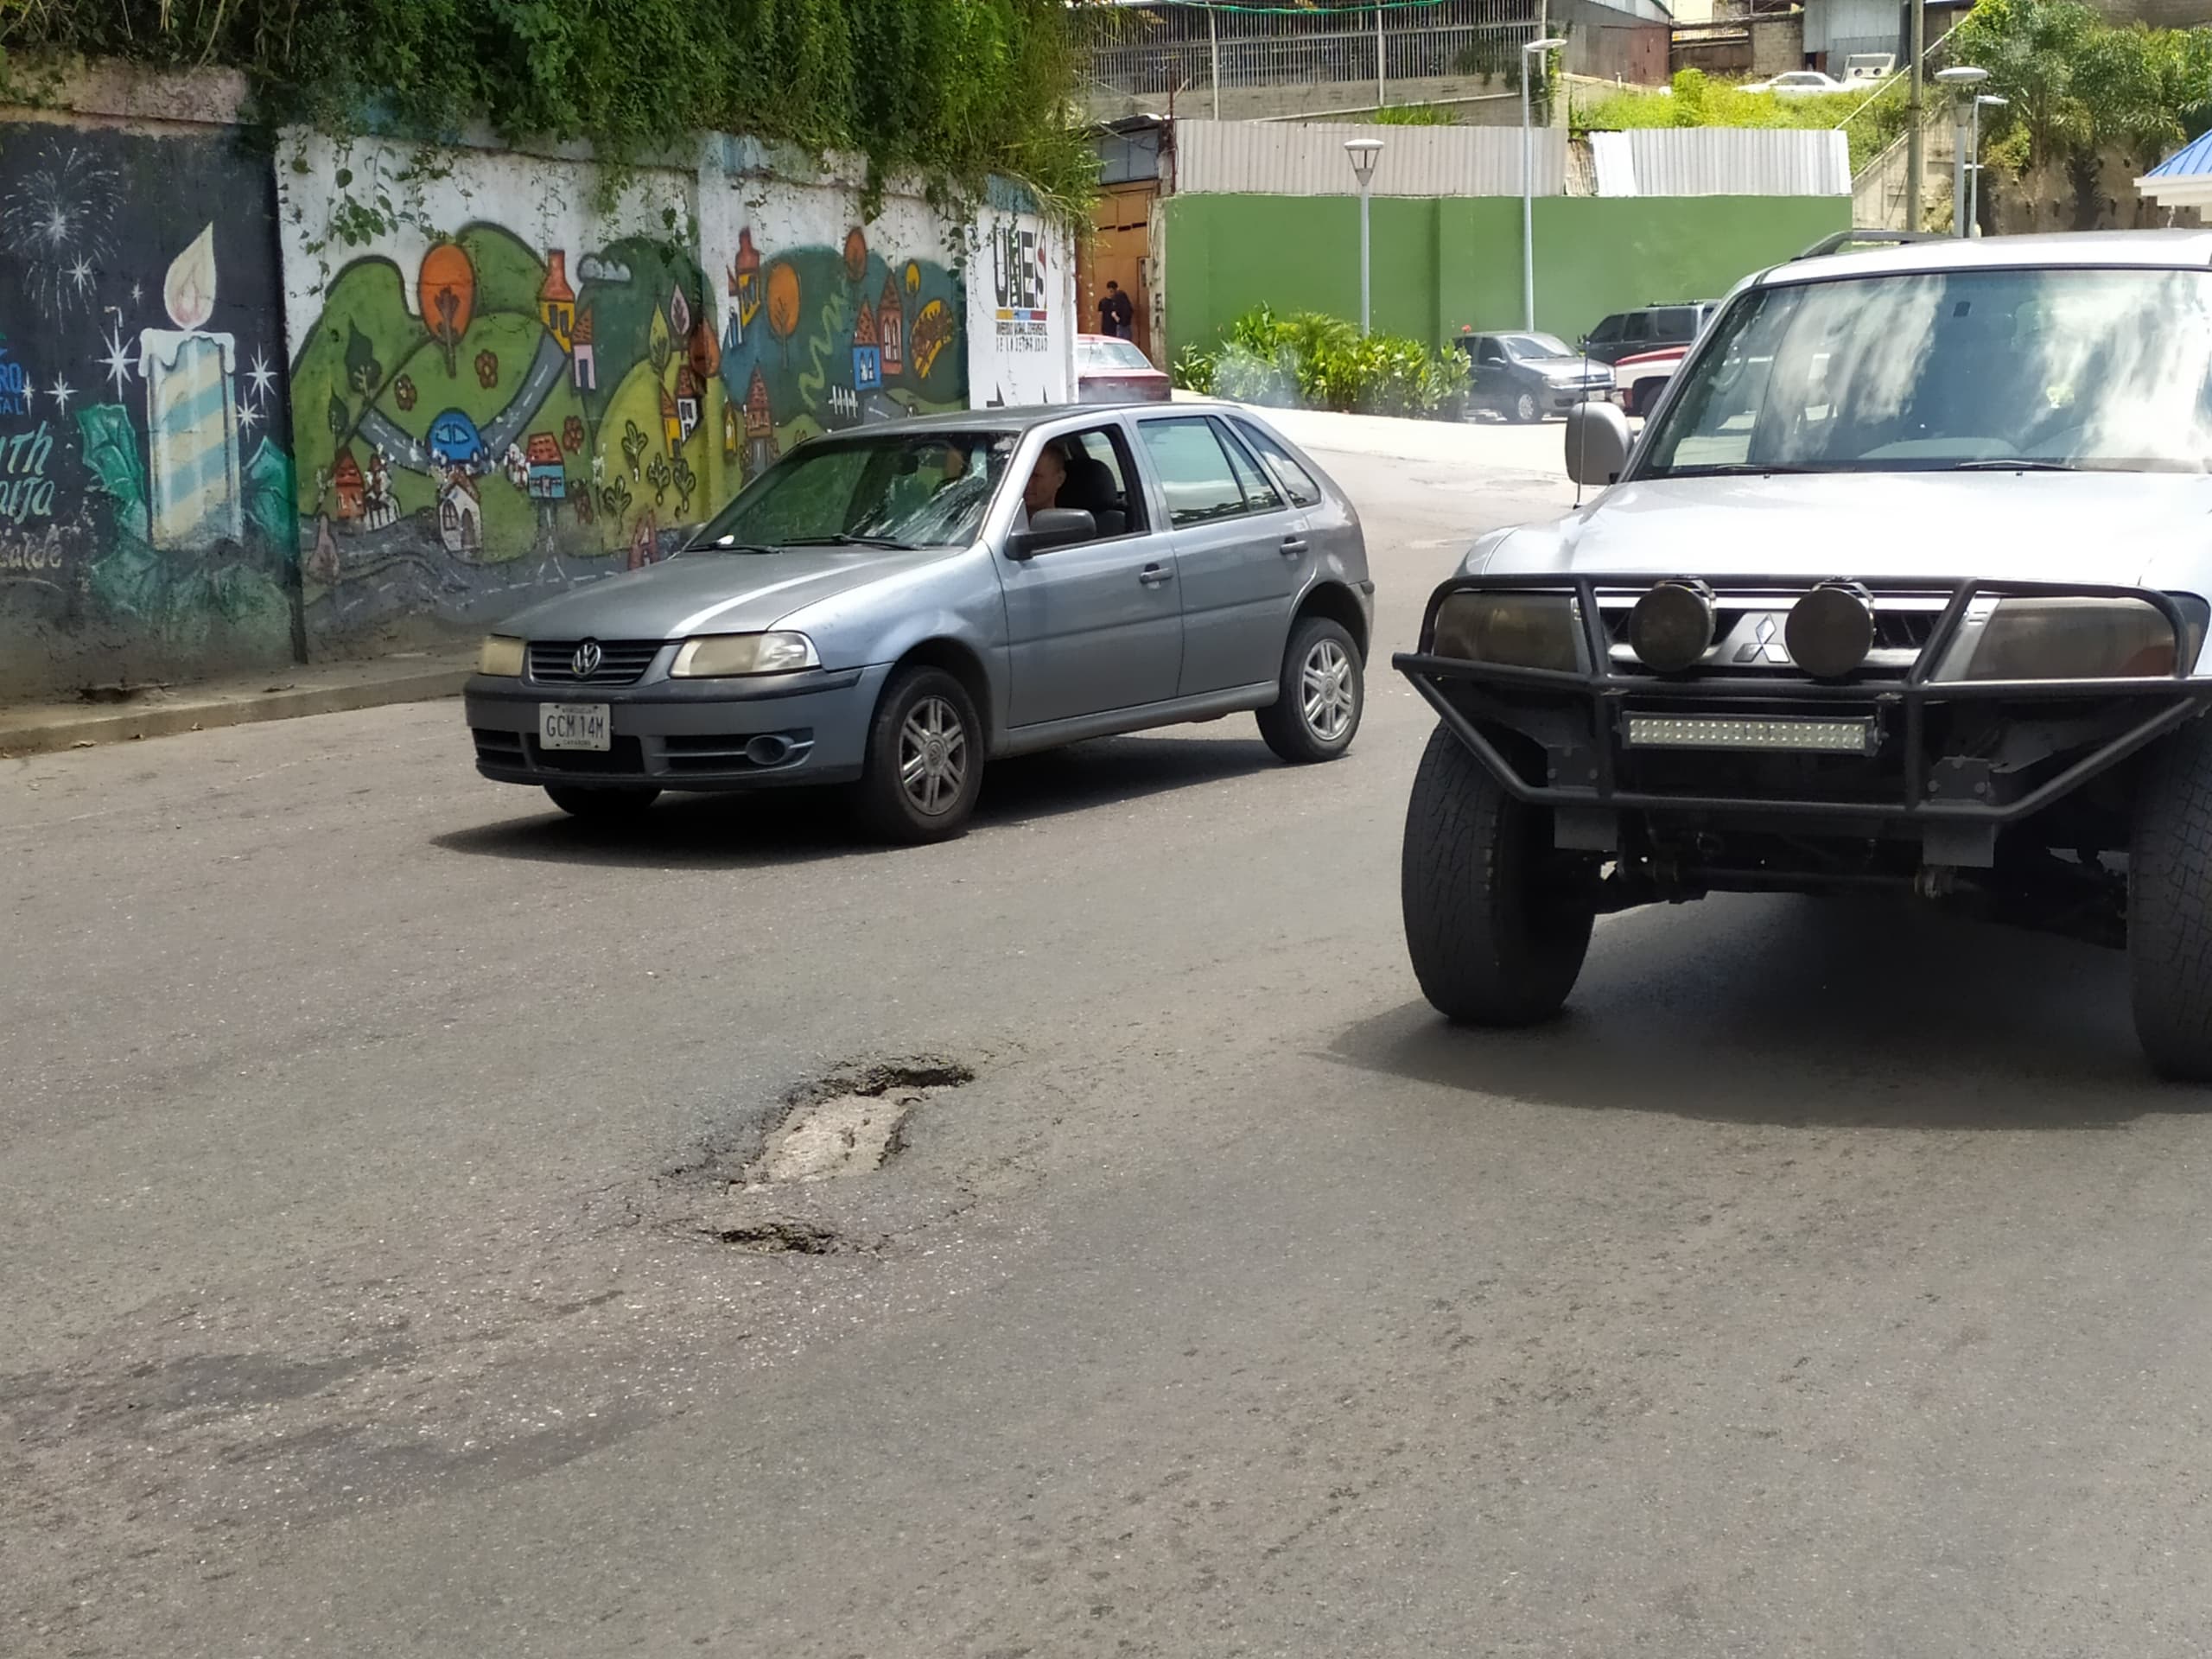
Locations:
{"points": [[446, 286], [855, 256], [783, 304], [658, 342]]}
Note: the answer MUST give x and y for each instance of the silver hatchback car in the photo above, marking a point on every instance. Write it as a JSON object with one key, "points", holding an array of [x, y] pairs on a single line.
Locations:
{"points": [[890, 606]]}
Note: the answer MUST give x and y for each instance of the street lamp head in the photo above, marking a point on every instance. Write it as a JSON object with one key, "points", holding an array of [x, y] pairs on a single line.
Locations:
{"points": [[1552, 45], [1990, 101], [1963, 77], [1362, 152]]}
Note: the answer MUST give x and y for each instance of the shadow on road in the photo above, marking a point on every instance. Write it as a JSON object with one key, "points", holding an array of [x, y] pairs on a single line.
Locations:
{"points": [[798, 826], [1794, 1012]]}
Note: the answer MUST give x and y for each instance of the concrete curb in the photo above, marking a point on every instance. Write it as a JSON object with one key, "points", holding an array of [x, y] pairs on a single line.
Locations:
{"points": [[44, 730]]}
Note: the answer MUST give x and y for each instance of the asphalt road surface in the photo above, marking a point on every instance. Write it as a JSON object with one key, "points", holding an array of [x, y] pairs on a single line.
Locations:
{"points": [[381, 1275]]}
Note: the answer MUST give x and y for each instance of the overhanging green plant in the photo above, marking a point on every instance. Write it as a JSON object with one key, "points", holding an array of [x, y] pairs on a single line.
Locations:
{"points": [[1312, 360], [954, 89]]}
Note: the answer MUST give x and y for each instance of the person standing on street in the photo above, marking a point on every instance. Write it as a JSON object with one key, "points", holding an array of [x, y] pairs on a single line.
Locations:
{"points": [[1115, 314]]}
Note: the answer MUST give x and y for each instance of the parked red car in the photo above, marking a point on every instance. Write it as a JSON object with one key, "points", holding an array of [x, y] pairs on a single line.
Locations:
{"points": [[1638, 380], [1110, 370]]}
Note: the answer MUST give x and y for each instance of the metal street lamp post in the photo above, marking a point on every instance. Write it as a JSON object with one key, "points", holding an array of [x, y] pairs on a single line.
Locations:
{"points": [[1965, 115], [1528, 185], [1362, 152]]}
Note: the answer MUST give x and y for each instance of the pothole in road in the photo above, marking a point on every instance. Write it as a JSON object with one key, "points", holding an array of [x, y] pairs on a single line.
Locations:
{"points": [[849, 1123]]}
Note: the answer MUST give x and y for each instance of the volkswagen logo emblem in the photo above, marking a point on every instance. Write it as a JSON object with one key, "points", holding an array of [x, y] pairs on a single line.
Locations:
{"points": [[587, 660]]}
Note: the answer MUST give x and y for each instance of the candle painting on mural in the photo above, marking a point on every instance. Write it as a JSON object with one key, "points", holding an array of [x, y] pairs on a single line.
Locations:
{"points": [[191, 434]]}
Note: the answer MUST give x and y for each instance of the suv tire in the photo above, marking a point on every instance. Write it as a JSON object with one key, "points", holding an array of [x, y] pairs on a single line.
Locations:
{"points": [[1316, 712], [1524, 409], [2170, 907], [1497, 924], [616, 803], [924, 720]]}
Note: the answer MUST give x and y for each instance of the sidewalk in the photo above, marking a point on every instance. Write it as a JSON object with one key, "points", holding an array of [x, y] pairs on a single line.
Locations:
{"points": [[321, 689], [1488, 446]]}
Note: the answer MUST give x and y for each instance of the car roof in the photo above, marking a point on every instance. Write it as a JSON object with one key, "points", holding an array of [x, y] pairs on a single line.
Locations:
{"points": [[1019, 419], [2076, 249]]}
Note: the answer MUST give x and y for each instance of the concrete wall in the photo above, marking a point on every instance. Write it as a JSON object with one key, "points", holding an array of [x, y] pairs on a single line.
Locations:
{"points": [[145, 483], [1444, 265], [508, 376]]}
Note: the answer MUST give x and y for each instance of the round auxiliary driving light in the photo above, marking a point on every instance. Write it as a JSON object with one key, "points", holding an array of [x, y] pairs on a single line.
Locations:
{"points": [[1671, 628], [1830, 630]]}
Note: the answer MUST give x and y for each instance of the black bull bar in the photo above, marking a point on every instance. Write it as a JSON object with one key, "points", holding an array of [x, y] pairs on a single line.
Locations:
{"points": [[2172, 699]]}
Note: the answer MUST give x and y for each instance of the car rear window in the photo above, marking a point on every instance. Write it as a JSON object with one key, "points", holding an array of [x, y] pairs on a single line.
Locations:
{"points": [[1112, 355], [1296, 480], [1674, 322]]}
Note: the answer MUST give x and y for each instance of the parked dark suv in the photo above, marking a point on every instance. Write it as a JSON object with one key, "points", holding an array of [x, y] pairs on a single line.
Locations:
{"points": [[1648, 327]]}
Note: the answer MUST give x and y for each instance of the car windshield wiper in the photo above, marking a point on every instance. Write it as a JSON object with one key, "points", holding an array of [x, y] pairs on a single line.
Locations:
{"points": [[1739, 469], [842, 540], [727, 545], [2015, 464]]}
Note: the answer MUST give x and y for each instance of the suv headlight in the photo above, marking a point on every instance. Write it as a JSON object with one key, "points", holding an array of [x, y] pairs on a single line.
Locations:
{"points": [[2063, 639], [720, 656], [1512, 630], [500, 655]]}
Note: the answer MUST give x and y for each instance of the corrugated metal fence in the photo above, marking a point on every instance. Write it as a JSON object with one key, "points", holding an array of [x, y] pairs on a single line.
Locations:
{"points": [[1253, 158], [1721, 162]]}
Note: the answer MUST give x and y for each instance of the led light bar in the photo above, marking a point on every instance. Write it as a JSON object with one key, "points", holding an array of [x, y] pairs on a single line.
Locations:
{"points": [[1800, 735]]}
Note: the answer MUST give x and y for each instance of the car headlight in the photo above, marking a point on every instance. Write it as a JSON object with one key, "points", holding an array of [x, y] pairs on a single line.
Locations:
{"points": [[2063, 639], [501, 655], [1512, 630], [719, 656]]}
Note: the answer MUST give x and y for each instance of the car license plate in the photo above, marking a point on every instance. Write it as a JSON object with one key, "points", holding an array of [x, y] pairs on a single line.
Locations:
{"points": [[573, 726]]}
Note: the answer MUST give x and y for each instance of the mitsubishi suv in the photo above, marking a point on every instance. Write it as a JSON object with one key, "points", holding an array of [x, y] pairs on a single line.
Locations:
{"points": [[1902, 587]]}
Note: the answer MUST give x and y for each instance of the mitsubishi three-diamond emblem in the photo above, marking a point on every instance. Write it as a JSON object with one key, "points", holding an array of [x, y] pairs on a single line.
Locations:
{"points": [[1765, 645]]}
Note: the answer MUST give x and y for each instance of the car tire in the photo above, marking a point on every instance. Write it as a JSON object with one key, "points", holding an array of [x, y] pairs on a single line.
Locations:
{"points": [[613, 803], [1322, 695], [1496, 924], [924, 765], [1524, 410], [2170, 907]]}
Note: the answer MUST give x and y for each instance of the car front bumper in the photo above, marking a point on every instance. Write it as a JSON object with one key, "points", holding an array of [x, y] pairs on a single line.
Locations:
{"points": [[702, 734], [1574, 731]]}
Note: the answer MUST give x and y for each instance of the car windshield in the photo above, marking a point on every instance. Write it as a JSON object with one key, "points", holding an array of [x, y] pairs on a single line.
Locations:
{"points": [[2052, 368], [1535, 348], [914, 489], [1111, 354]]}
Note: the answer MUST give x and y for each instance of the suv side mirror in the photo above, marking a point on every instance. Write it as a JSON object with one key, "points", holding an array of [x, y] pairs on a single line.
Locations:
{"points": [[1597, 444], [1054, 527]]}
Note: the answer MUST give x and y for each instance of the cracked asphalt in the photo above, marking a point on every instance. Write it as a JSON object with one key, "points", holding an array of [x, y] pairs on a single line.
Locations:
{"points": [[1828, 1282]]}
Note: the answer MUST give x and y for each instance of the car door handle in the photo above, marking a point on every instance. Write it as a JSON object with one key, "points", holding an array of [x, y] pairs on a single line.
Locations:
{"points": [[1154, 576], [1293, 546]]}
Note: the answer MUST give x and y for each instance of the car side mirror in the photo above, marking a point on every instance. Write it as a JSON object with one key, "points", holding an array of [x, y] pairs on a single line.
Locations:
{"points": [[1054, 527], [1597, 444]]}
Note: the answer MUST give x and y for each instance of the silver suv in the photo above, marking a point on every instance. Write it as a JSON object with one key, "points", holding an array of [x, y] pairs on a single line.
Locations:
{"points": [[1904, 585]]}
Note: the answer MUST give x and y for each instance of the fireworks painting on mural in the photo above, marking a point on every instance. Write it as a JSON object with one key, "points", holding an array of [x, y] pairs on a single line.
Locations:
{"points": [[57, 220]]}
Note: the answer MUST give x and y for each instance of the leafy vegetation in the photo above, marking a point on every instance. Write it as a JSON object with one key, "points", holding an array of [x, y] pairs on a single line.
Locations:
{"points": [[1412, 115], [955, 88], [2077, 84], [1696, 99], [1314, 361]]}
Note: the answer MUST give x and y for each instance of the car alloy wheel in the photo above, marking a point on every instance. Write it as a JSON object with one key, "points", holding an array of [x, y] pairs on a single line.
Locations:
{"points": [[1524, 408], [933, 756], [1324, 680]]}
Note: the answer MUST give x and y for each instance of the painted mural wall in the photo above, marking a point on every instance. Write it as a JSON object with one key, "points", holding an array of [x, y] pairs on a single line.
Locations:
{"points": [[145, 484], [502, 392]]}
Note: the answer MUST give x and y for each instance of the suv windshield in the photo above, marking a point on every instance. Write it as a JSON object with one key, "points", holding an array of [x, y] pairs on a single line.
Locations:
{"points": [[1535, 348], [2102, 370], [909, 490]]}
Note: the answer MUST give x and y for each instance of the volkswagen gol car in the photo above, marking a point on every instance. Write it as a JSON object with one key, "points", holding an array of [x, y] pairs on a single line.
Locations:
{"points": [[889, 608], [1903, 588]]}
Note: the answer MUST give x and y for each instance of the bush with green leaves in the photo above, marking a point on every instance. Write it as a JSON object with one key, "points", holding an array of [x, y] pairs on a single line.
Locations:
{"points": [[1312, 360], [1693, 99]]}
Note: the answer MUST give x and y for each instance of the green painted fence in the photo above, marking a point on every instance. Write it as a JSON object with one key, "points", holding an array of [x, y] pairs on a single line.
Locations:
{"points": [[1441, 264]]}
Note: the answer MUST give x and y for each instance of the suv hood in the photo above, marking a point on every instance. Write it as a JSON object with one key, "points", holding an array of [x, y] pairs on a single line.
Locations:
{"points": [[713, 592], [2153, 529]]}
